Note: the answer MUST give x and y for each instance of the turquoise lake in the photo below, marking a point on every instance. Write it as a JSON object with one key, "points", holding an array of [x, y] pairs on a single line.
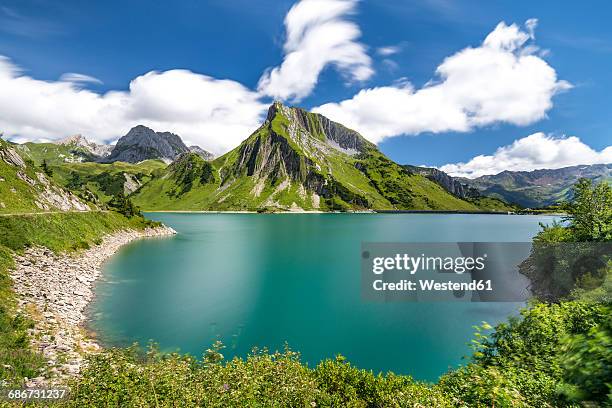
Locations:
{"points": [[263, 280]]}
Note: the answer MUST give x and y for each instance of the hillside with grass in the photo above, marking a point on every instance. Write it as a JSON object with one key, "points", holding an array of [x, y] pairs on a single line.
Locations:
{"points": [[556, 354], [296, 160], [538, 188], [100, 182], [26, 187], [59, 232], [553, 355]]}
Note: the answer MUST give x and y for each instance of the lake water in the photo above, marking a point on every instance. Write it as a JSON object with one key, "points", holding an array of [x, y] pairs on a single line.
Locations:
{"points": [[263, 280]]}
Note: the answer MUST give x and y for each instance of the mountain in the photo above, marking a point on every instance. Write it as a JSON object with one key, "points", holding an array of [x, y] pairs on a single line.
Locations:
{"points": [[142, 143], [449, 183], [201, 152], [73, 149], [296, 160], [97, 150], [538, 188], [24, 187], [99, 182], [460, 189]]}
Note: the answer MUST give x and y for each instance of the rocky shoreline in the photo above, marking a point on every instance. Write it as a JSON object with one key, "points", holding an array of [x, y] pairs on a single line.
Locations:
{"points": [[55, 289]]}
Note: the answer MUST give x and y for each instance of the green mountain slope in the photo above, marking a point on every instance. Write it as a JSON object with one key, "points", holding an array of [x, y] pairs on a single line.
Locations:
{"points": [[72, 149], [24, 187], [54, 153], [296, 160], [98, 182], [538, 188]]}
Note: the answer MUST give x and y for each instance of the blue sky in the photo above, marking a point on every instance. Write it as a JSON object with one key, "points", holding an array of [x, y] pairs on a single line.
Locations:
{"points": [[116, 42]]}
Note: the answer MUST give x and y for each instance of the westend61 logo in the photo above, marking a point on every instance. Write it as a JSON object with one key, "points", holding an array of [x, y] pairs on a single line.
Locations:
{"points": [[461, 271]]}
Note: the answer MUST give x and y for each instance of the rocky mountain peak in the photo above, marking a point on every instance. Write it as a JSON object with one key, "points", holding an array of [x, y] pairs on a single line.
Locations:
{"points": [[81, 141], [206, 155], [77, 139], [143, 143], [300, 122], [276, 107], [300, 151]]}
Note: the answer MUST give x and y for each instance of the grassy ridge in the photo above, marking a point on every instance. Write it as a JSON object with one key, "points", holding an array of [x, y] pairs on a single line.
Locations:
{"points": [[62, 231], [53, 153], [16, 195], [293, 161], [58, 232], [104, 180]]}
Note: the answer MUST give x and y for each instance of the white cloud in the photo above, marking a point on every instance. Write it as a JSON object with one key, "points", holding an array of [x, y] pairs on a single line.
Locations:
{"points": [[79, 78], [502, 80], [388, 50], [536, 151], [215, 114], [318, 35]]}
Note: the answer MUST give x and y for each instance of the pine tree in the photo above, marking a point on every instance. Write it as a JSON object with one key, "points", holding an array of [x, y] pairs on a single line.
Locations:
{"points": [[46, 169], [124, 205]]}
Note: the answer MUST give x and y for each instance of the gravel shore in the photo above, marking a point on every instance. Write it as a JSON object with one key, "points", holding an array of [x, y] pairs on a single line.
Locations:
{"points": [[55, 289]]}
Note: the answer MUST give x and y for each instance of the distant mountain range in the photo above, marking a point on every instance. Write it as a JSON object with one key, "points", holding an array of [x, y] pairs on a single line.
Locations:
{"points": [[527, 189], [79, 141], [139, 144], [295, 161], [537, 188]]}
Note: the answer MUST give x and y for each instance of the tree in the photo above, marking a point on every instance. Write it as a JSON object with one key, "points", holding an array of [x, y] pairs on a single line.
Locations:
{"points": [[124, 205], [590, 211], [573, 256], [586, 360], [46, 168]]}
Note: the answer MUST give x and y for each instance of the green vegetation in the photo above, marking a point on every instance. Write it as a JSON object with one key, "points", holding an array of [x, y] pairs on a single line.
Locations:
{"points": [[493, 204], [553, 355], [58, 232], [53, 154], [17, 360], [100, 182], [290, 162], [46, 169], [532, 361], [556, 354], [127, 378], [187, 170], [24, 187], [16, 195], [123, 205], [63, 231], [539, 188], [522, 363], [590, 212], [576, 256]]}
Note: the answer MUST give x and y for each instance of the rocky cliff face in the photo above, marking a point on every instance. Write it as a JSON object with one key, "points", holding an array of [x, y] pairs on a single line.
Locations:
{"points": [[449, 183], [79, 141], [142, 143], [296, 160], [293, 148], [25, 188], [206, 155]]}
